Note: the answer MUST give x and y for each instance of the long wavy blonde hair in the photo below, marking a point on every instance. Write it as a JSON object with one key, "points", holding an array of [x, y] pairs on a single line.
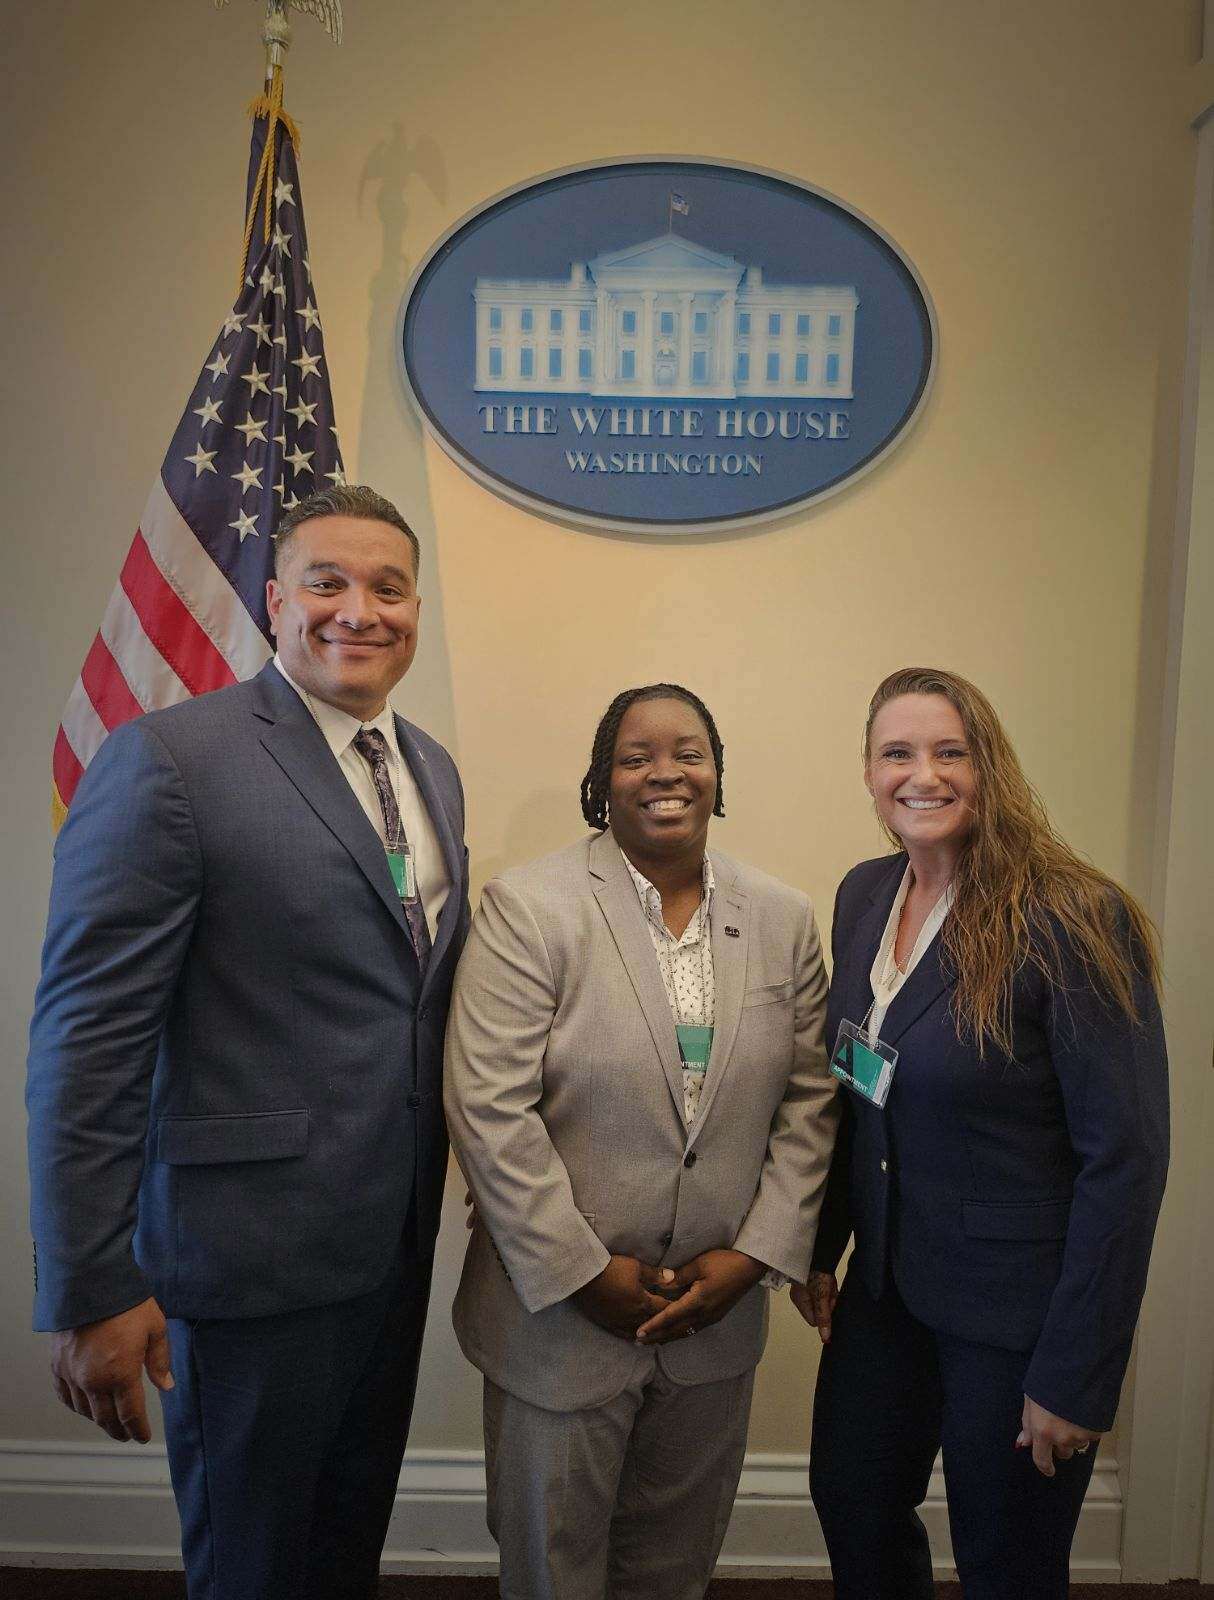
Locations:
{"points": [[1019, 891]]}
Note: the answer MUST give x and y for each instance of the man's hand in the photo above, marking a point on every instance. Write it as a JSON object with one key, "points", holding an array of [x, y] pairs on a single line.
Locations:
{"points": [[98, 1369], [707, 1287], [622, 1295], [816, 1301], [1051, 1436]]}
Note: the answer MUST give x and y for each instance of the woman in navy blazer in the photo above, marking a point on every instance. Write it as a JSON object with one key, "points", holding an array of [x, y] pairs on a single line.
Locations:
{"points": [[1004, 1200]]}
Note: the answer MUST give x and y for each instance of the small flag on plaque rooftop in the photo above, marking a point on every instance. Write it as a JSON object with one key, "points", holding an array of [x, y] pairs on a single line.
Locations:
{"points": [[257, 435]]}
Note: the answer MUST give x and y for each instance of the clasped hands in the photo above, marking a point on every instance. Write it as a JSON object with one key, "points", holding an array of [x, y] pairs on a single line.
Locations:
{"points": [[655, 1305]]}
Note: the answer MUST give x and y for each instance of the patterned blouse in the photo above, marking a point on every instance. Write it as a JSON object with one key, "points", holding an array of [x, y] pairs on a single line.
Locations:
{"points": [[686, 968]]}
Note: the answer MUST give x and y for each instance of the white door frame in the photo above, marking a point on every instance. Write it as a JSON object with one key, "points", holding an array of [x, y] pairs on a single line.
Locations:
{"points": [[1165, 1444]]}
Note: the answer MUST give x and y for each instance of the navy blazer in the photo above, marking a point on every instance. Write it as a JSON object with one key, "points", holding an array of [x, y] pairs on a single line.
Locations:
{"points": [[1013, 1199], [235, 1071]]}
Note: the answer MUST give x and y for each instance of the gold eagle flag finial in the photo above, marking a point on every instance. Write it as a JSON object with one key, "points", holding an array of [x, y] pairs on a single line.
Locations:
{"points": [[276, 30], [276, 36]]}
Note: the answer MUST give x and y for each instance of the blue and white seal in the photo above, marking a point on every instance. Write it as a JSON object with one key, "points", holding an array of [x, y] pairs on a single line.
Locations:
{"points": [[667, 346]]}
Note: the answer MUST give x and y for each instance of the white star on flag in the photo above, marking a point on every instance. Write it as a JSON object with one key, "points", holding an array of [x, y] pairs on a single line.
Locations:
{"points": [[284, 193], [310, 315], [208, 411], [252, 429], [304, 413], [219, 367], [280, 289], [266, 280], [337, 475], [307, 365], [262, 329], [299, 459], [231, 323], [244, 525], [201, 461], [256, 381], [249, 477]]}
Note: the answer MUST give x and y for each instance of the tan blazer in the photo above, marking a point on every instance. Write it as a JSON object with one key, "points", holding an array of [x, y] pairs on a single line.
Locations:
{"points": [[564, 1098]]}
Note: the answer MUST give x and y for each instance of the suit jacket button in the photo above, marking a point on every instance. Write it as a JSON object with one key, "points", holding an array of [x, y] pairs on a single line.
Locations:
{"points": [[689, 1160], [667, 1238], [885, 1166]]}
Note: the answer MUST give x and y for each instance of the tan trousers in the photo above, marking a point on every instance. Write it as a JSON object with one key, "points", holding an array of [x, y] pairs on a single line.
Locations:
{"points": [[624, 1501]]}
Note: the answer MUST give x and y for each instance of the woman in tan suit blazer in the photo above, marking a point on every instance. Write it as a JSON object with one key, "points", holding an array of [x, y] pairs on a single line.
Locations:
{"points": [[638, 1095]]}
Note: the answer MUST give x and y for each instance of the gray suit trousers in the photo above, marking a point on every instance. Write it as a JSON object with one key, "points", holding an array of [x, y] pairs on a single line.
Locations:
{"points": [[625, 1501]]}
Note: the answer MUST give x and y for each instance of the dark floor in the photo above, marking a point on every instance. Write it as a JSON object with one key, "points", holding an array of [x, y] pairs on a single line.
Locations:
{"points": [[33, 1583]]}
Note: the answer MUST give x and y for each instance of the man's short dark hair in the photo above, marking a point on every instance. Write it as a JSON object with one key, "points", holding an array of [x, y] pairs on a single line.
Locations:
{"points": [[342, 500]]}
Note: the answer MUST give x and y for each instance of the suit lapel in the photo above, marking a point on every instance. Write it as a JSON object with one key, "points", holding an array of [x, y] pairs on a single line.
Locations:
{"points": [[925, 984], [621, 907], [296, 743], [730, 908], [922, 989], [452, 848], [862, 952]]}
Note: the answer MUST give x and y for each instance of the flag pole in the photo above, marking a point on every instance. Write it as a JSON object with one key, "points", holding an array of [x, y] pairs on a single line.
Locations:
{"points": [[276, 36]]}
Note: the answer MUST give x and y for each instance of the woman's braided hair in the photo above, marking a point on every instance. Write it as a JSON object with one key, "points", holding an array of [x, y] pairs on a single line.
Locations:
{"points": [[596, 785]]}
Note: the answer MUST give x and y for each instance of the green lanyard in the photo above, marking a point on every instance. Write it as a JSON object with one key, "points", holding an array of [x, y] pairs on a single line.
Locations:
{"points": [[695, 1038]]}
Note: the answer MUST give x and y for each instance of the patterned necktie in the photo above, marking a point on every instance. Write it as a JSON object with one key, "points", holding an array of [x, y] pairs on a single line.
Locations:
{"points": [[373, 748]]}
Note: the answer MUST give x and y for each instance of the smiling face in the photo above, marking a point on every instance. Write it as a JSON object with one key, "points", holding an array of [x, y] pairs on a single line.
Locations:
{"points": [[343, 611], [663, 782], [921, 775]]}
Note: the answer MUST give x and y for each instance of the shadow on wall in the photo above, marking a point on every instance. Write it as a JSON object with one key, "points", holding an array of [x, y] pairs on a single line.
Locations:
{"points": [[545, 815], [391, 451]]}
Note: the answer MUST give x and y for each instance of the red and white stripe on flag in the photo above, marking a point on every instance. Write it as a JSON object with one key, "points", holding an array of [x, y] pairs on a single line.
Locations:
{"points": [[174, 627]]}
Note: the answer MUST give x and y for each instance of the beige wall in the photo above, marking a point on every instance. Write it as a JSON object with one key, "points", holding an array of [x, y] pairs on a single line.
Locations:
{"points": [[1030, 160]]}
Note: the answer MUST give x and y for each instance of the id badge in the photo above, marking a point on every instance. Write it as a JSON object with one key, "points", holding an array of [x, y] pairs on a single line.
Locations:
{"points": [[865, 1066], [404, 871], [695, 1046]]}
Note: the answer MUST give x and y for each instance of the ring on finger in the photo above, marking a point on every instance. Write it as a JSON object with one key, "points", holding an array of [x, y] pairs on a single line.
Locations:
{"points": [[1082, 1449]]}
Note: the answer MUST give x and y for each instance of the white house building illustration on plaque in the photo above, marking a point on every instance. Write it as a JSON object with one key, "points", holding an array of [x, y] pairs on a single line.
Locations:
{"points": [[665, 317]]}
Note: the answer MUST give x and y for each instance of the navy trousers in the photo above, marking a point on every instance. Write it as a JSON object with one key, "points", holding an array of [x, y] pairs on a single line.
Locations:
{"points": [[285, 1436], [891, 1393]]}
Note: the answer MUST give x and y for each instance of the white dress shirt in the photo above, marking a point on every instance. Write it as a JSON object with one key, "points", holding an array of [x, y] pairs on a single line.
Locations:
{"points": [[339, 729], [886, 976]]}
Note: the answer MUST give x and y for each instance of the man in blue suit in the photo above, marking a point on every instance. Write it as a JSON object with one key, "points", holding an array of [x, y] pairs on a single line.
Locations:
{"points": [[237, 1146]]}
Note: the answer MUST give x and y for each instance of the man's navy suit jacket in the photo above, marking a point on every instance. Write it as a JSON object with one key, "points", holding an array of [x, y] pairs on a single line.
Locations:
{"points": [[235, 1069], [1013, 1199]]}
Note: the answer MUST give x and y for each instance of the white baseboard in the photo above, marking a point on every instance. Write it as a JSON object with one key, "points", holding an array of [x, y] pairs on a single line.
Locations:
{"points": [[103, 1505]]}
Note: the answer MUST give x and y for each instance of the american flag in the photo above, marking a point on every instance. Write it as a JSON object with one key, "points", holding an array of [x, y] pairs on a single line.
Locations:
{"points": [[188, 612]]}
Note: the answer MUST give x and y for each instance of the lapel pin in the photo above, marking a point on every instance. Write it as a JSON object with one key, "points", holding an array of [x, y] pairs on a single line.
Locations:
{"points": [[732, 933]]}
